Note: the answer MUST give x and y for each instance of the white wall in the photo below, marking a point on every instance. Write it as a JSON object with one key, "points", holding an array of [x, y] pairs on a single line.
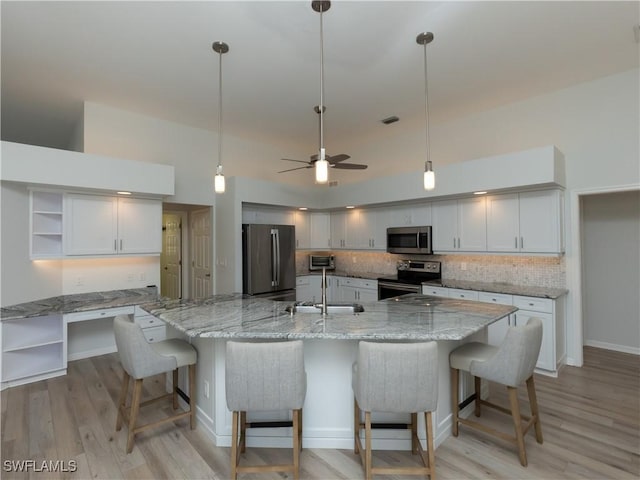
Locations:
{"points": [[611, 268]]}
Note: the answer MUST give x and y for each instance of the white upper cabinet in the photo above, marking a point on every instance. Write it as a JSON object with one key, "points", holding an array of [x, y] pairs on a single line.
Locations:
{"points": [[320, 230], [528, 222], [303, 229], [338, 229], [415, 214], [373, 223], [460, 225], [139, 225], [102, 225], [267, 215], [541, 225]]}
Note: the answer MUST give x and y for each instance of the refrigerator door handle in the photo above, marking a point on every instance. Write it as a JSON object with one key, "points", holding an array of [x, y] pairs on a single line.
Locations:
{"points": [[275, 257]]}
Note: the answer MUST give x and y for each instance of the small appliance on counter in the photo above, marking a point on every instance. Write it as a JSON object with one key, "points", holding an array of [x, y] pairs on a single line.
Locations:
{"points": [[411, 274], [268, 261], [320, 261], [409, 240]]}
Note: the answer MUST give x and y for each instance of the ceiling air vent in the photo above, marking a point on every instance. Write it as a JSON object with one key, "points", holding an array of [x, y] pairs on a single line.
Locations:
{"points": [[333, 183], [388, 120]]}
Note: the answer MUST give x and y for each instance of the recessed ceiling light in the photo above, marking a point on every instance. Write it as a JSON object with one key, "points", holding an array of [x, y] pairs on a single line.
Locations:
{"points": [[124, 193], [350, 206], [302, 208], [479, 193]]}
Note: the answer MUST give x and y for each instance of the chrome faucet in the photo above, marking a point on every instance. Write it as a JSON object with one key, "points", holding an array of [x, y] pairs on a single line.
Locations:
{"points": [[323, 306]]}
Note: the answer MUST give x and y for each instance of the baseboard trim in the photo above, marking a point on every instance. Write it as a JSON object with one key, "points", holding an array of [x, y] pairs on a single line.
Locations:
{"points": [[612, 346]]}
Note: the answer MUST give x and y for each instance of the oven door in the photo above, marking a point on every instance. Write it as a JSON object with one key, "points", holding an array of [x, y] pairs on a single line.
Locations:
{"points": [[390, 289]]}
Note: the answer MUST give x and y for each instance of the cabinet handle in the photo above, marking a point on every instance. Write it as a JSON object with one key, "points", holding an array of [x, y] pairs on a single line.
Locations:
{"points": [[521, 242], [373, 242], [531, 304], [120, 244], [458, 242], [516, 239], [454, 242], [115, 245]]}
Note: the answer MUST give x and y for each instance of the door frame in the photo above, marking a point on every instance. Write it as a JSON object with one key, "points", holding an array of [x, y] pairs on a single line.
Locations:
{"points": [[184, 249], [575, 328]]}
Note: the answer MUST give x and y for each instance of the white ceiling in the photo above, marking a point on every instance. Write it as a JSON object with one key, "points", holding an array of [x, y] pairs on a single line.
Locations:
{"points": [[155, 58]]}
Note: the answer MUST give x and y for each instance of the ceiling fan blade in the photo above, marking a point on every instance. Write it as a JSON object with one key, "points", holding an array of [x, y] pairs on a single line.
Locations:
{"points": [[350, 166], [292, 169], [341, 157], [292, 160]]}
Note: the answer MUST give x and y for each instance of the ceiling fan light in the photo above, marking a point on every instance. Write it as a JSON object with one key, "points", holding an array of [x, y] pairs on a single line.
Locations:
{"points": [[429, 176], [322, 168], [219, 185]]}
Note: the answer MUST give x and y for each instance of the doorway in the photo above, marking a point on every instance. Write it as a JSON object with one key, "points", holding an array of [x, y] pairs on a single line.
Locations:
{"points": [[187, 250]]}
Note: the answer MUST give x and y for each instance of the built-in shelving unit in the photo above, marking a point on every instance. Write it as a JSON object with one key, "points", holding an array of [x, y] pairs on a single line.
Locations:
{"points": [[46, 224], [33, 346]]}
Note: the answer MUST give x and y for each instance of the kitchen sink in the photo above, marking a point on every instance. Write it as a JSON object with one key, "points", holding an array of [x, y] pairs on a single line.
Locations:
{"points": [[307, 307]]}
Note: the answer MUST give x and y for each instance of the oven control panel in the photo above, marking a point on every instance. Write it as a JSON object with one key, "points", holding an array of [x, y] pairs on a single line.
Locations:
{"points": [[418, 266]]}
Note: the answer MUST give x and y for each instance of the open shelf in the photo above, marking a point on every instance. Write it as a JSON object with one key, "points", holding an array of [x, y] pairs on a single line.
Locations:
{"points": [[46, 224], [32, 361], [32, 332]]}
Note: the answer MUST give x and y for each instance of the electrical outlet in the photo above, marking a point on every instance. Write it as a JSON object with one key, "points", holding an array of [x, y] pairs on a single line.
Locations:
{"points": [[463, 265], [79, 281], [142, 276], [205, 389], [353, 259]]}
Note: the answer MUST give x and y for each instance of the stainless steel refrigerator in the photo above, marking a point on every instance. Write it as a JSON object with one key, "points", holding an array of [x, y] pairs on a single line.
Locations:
{"points": [[269, 261]]}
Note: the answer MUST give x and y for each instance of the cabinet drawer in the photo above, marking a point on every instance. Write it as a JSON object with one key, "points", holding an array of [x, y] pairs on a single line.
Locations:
{"points": [[435, 291], [463, 294], [533, 303], [498, 298], [155, 334], [358, 283], [147, 321], [95, 314], [302, 280]]}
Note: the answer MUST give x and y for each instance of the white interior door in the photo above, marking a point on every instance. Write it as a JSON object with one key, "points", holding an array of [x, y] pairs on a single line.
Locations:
{"points": [[171, 258], [201, 250]]}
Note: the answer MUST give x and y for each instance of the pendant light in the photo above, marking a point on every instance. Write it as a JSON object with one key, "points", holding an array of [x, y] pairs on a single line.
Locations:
{"points": [[429, 177], [218, 182], [321, 165]]}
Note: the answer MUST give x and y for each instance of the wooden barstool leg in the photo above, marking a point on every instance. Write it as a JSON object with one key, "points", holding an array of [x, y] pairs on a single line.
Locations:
{"points": [[135, 407], [300, 427], [234, 446], [477, 383], [533, 402], [192, 395], [517, 423], [455, 373], [122, 401], [174, 395], [356, 425], [414, 433], [428, 421], [243, 432], [367, 446], [296, 444]]}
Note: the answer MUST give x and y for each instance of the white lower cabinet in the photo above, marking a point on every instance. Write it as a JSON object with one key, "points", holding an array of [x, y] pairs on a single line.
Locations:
{"points": [[356, 290], [497, 330], [154, 330], [309, 288], [33, 349]]}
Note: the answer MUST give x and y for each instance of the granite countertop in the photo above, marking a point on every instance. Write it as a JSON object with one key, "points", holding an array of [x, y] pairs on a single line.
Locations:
{"points": [[411, 317], [80, 302], [497, 287]]}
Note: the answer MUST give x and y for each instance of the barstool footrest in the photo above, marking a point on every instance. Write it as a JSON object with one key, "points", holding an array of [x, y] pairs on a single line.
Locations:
{"points": [[276, 424]]}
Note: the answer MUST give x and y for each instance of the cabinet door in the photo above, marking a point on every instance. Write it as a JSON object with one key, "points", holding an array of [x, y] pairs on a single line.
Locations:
{"points": [[547, 357], [91, 225], [354, 235], [367, 295], [503, 226], [472, 224], [540, 222], [445, 225], [303, 229], [338, 229], [139, 225], [320, 230], [421, 214]]}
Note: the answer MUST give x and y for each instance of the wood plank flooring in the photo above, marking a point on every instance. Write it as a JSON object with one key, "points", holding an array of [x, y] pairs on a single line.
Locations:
{"points": [[590, 422]]}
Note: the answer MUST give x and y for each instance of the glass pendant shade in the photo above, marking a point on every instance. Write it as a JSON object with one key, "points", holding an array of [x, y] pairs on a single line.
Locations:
{"points": [[219, 184], [429, 177], [322, 168]]}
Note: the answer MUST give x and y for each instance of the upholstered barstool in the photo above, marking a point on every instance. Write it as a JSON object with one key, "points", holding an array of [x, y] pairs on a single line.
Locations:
{"points": [[140, 360], [265, 376], [509, 364], [396, 378]]}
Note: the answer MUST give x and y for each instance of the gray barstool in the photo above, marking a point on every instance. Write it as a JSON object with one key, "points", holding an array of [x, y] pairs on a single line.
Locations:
{"points": [[265, 377], [509, 364], [396, 378], [140, 360]]}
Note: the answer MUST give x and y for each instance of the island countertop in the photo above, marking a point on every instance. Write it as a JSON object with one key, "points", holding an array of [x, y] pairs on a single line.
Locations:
{"points": [[410, 317]]}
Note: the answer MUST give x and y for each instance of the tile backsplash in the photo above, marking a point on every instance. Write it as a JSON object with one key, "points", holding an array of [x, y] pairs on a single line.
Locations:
{"points": [[514, 269]]}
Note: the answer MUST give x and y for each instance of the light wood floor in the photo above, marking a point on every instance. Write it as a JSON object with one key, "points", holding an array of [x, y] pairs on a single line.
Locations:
{"points": [[590, 420]]}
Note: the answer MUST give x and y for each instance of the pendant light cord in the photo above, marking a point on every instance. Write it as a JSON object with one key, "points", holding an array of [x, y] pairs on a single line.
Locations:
{"points": [[220, 111], [426, 103], [321, 82]]}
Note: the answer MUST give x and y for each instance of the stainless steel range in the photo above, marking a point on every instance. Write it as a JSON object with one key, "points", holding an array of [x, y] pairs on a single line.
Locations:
{"points": [[411, 274]]}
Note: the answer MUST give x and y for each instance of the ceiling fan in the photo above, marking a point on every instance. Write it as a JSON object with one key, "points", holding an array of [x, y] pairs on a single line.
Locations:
{"points": [[335, 161]]}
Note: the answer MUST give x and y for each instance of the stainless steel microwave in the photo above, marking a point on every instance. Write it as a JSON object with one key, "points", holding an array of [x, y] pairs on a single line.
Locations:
{"points": [[411, 240], [318, 262]]}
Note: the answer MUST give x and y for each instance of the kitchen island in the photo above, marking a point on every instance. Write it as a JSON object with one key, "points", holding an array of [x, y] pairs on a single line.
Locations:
{"points": [[331, 344]]}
